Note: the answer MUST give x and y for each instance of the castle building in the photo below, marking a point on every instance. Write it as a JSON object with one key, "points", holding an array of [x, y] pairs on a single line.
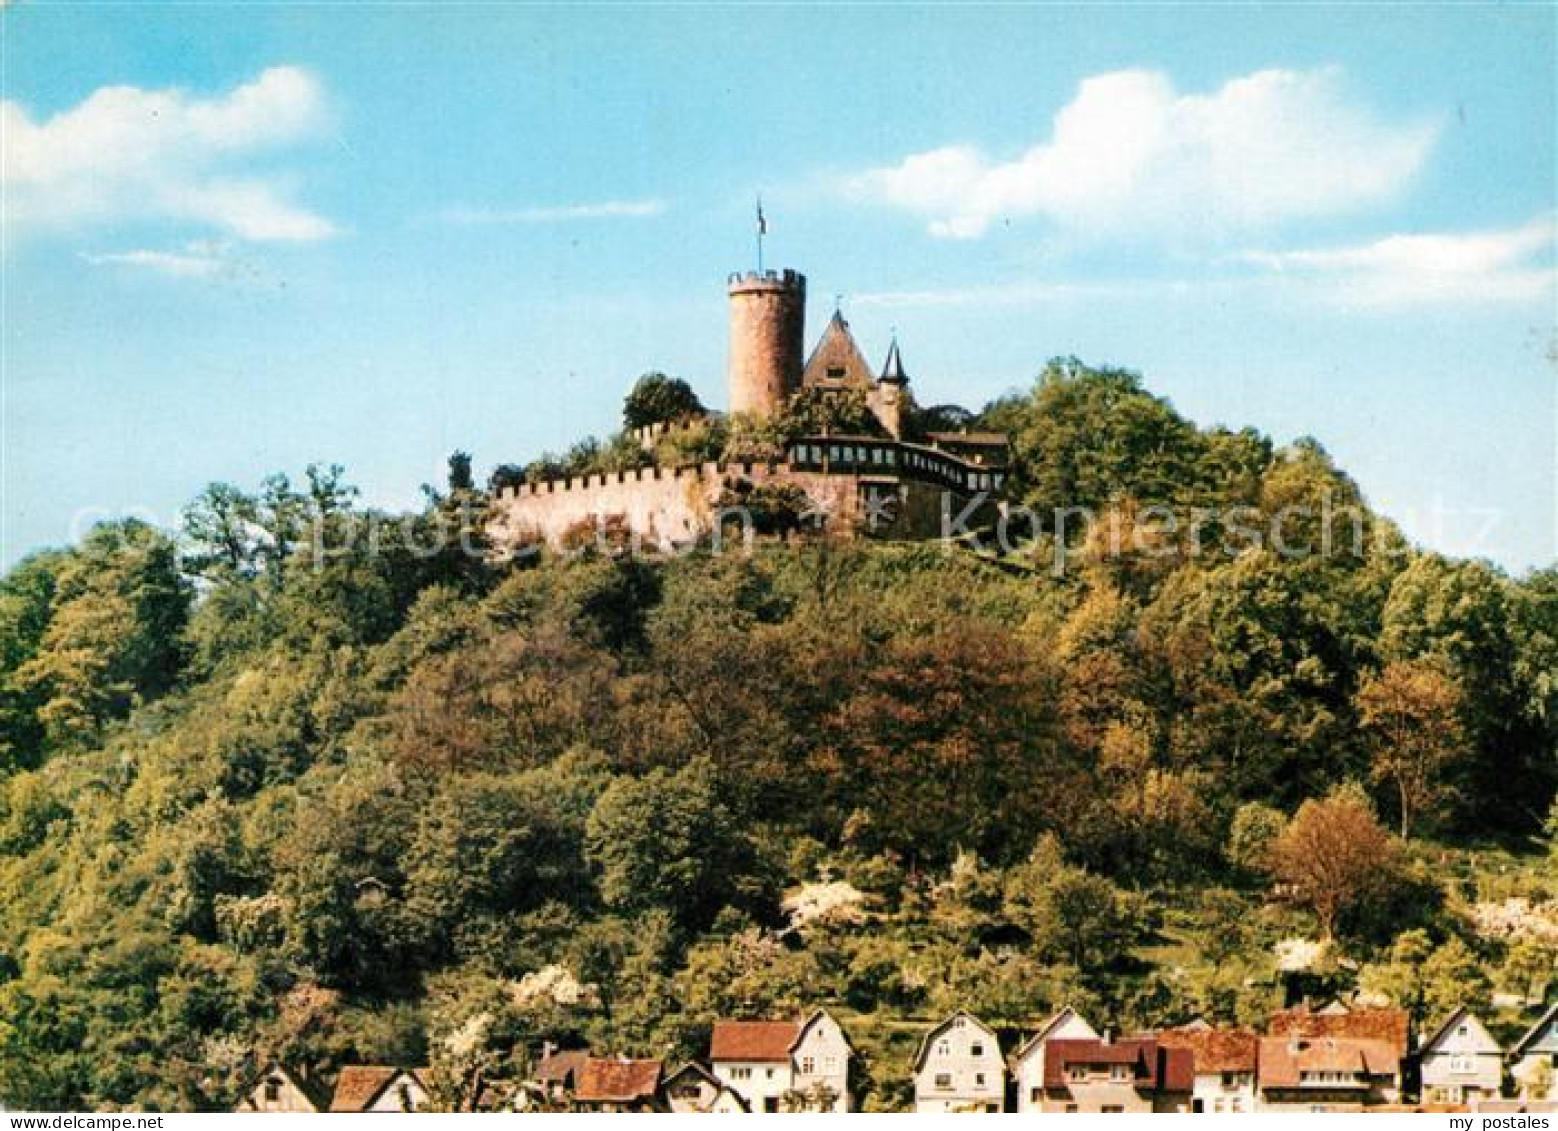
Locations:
{"points": [[880, 476]]}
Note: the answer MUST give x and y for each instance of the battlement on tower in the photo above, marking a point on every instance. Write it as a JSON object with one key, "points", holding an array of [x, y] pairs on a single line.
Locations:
{"points": [[785, 280]]}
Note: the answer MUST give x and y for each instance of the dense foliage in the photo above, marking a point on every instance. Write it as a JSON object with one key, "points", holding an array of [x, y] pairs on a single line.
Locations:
{"points": [[325, 784]]}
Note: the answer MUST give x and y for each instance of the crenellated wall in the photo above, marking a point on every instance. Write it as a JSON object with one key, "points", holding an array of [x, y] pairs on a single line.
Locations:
{"points": [[669, 507]]}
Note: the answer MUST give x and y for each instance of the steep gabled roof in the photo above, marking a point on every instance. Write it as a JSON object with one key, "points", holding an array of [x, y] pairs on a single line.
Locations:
{"points": [[837, 359], [925, 1042], [753, 1040], [618, 1080], [1439, 1034], [359, 1086], [310, 1091], [892, 368], [1534, 1034], [1044, 1031]]}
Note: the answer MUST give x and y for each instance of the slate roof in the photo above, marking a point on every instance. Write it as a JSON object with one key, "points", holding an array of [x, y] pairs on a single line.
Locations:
{"points": [[758, 1041], [617, 1080]]}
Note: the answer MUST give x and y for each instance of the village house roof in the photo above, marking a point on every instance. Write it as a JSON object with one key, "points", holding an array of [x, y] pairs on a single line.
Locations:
{"points": [[1284, 1060], [561, 1067], [1534, 1033], [617, 1080], [1044, 1030], [314, 1093], [757, 1041], [1390, 1025], [921, 1053], [1215, 1050], [359, 1086], [1154, 1067], [1444, 1030]]}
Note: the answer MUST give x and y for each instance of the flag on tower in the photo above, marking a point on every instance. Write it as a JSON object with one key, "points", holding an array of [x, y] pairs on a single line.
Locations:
{"points": [[762, 221]]}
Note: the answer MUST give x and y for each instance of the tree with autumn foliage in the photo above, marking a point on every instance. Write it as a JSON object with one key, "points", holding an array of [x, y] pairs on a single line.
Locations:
{"points": [[1409, 715], [1333, 857]]}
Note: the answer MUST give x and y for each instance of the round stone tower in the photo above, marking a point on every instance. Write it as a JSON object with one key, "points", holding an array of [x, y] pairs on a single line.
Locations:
{"points": [[767, 339]]}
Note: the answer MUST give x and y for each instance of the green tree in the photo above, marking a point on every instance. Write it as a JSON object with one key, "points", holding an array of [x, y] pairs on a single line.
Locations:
{"points": [[659, 399], [114, 631]]}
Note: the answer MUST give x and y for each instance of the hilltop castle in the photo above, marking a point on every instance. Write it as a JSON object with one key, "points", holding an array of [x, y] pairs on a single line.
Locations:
{"points": [[883, 476]]}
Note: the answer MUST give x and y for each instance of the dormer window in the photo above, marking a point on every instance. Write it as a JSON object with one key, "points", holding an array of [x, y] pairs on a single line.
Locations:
{"points": [[836, 372]]}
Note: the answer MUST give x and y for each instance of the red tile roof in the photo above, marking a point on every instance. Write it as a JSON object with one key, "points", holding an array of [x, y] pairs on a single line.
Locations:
{"points": [[359, 1085], [1283, 1060], [753, 1040], [1215, 1050], [1389, 1025], [617, 1080], [1156, 1068]]}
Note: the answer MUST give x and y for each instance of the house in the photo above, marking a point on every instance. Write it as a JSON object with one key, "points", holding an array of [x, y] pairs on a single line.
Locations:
{"points": [[279, 1089], [556, 1073], [1393, 1026], [1538, 1047], [958, 1067], [1101, 1076], [784, 1065], [693, 1088], [1319, 1074], [1461, 1062], [618, 1084], [1028, 1060], [1225, 1063], [377, 1088]]}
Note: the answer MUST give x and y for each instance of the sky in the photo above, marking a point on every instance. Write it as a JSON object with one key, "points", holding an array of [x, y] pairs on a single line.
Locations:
{"points": [[240, 239]]}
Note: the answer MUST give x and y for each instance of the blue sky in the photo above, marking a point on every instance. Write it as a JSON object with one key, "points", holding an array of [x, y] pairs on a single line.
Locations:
{"points": [[240, 239]]}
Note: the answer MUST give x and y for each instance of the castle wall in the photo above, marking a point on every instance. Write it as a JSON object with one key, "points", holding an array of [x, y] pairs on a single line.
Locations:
{"points": [[670, 508]]}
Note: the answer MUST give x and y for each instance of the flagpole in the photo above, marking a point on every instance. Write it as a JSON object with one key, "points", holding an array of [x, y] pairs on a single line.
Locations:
{"points": [[760, 226]]}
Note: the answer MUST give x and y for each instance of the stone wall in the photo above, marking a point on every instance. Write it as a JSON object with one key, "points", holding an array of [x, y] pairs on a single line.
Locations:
{"points": [[767, 340], [669, 508]]}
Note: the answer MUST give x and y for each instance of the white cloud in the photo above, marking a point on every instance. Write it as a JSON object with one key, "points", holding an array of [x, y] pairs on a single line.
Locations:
{"points": [[1504, 265], [198, 259], [1130, 153], [555, 214], [131, 154]]}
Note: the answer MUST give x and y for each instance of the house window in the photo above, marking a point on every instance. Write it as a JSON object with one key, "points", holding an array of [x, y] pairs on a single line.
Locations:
{"points": [[943, 1048], [979, 1079], [957, 1022], [944, 1081], [1076, 1072], [272, 1091], [741, 1074], [771, 1104], [835, 372], [808, 1065], [1460, 1064], [976, 1049], [1118, 1072], [1034, 1094], [1113, 1109], [770, 1073], [1071, 1109], [830, 1064]]}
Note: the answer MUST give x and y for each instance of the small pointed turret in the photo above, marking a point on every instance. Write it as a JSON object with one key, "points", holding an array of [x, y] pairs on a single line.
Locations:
{"points": [[892, 369]]}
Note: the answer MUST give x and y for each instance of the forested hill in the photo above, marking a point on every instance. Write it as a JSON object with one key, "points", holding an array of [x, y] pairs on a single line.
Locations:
{"points": [[282, 788]]}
